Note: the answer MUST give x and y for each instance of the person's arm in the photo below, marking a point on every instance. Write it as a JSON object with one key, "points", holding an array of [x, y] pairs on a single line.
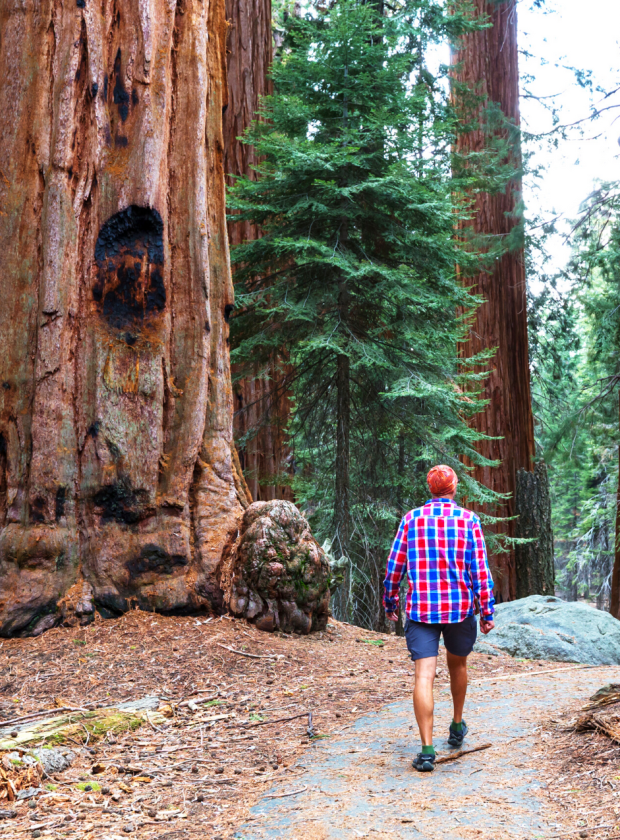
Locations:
{"points": [[396, 568], [482, 582]]}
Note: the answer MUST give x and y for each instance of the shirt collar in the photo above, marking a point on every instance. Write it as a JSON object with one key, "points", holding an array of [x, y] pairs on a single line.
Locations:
{"points": [[442, 500]]}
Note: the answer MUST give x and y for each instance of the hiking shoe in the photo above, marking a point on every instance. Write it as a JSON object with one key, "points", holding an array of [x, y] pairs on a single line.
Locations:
{"points": [[424, 762], [455, 739]]}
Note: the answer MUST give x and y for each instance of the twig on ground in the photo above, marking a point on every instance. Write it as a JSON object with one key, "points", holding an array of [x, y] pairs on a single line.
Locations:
{"points": [[277, 720], [87, 734], [462, 752], [151, 724], [522, 674], [33, 715], [288, 793], [584, 828], [250, 655], [197, 700], [38, 826]]}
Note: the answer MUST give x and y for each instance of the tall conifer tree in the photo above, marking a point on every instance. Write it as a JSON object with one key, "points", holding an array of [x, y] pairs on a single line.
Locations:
{"points": [[355, 272]]}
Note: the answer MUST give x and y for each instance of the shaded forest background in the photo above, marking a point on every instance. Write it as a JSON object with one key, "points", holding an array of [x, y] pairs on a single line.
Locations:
{"points": [[471, 405]]}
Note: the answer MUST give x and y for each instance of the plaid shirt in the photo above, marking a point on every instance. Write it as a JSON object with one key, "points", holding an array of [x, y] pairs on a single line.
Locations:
{"points": [[442, 549]]}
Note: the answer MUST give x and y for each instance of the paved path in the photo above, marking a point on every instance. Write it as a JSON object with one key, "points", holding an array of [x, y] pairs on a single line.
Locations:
{"points": [[360, 783]]}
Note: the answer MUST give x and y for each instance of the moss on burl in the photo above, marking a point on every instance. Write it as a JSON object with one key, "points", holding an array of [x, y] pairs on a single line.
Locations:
{"points": [[278, 575]]}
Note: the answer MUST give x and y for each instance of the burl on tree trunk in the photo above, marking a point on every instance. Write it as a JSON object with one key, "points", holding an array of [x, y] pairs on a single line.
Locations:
{"points": [[276, 574], [117, 478]]}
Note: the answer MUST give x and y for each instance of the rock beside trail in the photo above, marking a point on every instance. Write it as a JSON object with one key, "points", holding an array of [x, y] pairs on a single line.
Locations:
{"points": [[277, 575], [546, 627], [52, 759]]}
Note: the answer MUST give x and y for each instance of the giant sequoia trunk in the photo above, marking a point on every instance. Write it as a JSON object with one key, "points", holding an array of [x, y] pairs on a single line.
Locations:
{"points": [[488, 63], [116, 404], [261, 401]]}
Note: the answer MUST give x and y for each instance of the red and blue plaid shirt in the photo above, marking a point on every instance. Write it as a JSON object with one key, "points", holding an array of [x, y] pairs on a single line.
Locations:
{"points": [[441, 548]]}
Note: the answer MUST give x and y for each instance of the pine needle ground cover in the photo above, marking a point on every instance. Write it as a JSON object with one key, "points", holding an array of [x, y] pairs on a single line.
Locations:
{"points": [[199, 770]]}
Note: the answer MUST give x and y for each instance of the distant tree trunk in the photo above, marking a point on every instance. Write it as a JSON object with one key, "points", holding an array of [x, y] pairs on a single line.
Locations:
{"points": [[614, 600], [488, 64], [249, 57], [534, 560], [342, 516], [400, 622], [116, 403], [262, 401]]}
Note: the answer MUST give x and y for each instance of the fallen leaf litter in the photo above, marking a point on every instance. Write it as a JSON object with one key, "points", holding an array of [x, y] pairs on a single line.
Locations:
{"points": [[232, 717]]}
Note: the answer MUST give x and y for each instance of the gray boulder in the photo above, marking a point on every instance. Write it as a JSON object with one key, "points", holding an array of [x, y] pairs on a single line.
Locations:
{"points": [[54, 760], [51, 759], [545, 627]]}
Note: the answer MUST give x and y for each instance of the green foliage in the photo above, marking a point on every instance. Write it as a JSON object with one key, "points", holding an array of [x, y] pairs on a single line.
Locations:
{"points": [[358, 194], [88, 786], [576, 366]]}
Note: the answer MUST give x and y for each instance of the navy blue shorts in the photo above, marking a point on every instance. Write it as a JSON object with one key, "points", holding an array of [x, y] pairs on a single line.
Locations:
{"points": [[423, 639]]}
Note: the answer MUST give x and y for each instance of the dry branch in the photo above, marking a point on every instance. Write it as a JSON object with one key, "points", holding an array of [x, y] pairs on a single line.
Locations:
{"points": [[462, 752], [288, 793], [243, 653], [42, 713], [277, 720], [521, 675]]}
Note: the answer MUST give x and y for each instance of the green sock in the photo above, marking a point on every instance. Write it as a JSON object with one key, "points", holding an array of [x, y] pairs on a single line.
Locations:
{"points": [[428, 750], [457, 727]]}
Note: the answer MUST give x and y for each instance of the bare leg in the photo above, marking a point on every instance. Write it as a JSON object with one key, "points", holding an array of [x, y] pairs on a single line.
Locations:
{"points": [[457, 666], [423, 703]]}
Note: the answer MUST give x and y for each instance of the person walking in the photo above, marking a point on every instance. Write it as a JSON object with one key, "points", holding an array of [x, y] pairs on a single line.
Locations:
{"points": [[441, 548]]}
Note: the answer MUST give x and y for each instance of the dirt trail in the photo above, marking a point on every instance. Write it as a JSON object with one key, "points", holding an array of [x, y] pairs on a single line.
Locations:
{"points": [[360, 783]]}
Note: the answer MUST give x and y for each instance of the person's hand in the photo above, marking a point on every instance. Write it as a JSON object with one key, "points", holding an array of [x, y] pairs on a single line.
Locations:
{"points": [[392, 616], [486, 626]]}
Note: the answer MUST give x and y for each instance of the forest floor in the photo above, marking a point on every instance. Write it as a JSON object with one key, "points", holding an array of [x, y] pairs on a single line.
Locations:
{"points": [[236, 759]]}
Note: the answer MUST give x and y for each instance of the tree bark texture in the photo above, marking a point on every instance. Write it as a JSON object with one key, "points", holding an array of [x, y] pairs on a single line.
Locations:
{"points": [[249, 57], [488, 63], [342, 514], [614, 599], [116, 404], [262, 409], [262, 401], [535, 569], [276, 574]]}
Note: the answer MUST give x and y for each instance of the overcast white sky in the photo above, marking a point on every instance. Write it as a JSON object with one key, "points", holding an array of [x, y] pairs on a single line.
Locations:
{"points": [[584, 35]]}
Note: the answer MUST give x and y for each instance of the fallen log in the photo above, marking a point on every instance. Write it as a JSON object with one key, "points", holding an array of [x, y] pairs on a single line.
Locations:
{"points": [[96, 724]]}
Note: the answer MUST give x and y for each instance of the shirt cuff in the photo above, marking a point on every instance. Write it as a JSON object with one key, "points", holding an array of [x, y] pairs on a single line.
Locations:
{"points": [[390, 604]]}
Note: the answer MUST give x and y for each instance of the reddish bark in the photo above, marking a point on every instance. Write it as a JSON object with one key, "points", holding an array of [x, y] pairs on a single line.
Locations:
{"points": [[262, 401], [614, 601], [488, 64], [116, 403], [249, 56]]}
